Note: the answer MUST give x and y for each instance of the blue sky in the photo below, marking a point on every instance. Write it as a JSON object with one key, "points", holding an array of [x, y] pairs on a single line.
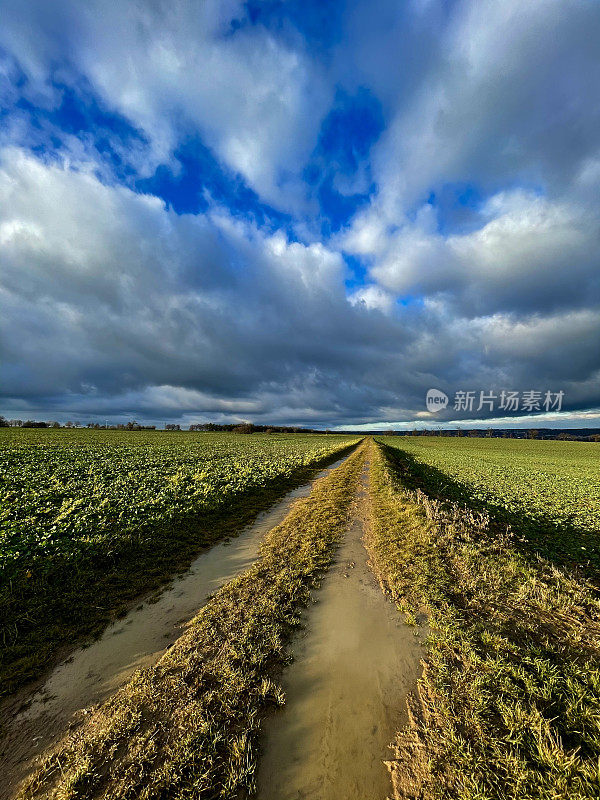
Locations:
{"points": [[299, 213]]}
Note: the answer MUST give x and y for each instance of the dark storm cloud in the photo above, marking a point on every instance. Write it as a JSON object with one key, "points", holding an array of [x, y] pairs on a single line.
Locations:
{"points": [[125, 305]]}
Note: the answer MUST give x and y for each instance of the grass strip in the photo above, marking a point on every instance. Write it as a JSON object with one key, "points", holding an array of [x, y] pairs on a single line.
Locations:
{"points": [[548, 491], [188, 726], [509, 700], [76, 601]]}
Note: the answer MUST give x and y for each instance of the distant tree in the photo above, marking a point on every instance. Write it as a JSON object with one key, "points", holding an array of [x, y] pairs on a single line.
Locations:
{"points": [[390, 433], [595, 437], [473, 434], [489, 433], [16, 423], [3, 422], [245, 428], [532, 433], [172, 427], [460, 432], [54, 424], [565, 437]]}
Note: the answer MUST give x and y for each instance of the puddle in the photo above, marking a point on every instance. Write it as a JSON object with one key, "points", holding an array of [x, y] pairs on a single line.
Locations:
{"points": [[138, 640], [345, 691]]}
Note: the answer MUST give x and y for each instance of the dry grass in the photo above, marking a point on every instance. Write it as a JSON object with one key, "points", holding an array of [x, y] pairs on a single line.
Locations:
{"points": [[187, 727], [509, 701]]}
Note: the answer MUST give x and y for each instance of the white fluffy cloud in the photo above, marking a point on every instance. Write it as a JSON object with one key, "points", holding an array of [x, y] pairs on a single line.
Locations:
{"points": [[107, 291], [177, 68], [528, 254], [510, 90], [509, 96], [112, 301]]}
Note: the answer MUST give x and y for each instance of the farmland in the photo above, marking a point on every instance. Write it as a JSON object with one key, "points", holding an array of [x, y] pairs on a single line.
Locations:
{"points": [[548, 491], [198, 708], [479, 543], [89, 518], [508, 704]]}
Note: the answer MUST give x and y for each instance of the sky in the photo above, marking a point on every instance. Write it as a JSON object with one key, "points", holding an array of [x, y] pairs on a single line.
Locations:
{"points": [[300, 212]]}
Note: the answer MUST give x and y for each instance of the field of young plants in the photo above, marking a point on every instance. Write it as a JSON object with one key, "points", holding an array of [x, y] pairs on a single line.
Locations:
{"points": [[86, 506], [548, 491], [507, 705]]}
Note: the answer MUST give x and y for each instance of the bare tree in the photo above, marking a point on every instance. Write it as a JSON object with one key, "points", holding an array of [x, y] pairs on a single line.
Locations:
{"points": [[245, 428]]}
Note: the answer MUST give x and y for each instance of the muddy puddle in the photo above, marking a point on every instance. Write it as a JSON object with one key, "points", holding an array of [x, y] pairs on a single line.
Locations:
{"points": [[92, 673], [345, 691]]}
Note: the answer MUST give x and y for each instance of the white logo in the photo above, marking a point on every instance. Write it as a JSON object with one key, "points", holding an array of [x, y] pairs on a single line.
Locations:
{"points": [[436, 400]]}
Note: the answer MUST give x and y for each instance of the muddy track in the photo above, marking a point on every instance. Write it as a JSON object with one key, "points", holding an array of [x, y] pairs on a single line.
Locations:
{"points": [[36, 719], [189, 725], [346, 691]]}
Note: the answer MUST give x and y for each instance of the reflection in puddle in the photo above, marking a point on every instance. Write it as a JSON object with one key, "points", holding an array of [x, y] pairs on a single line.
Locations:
{"points": [[345, 691]]}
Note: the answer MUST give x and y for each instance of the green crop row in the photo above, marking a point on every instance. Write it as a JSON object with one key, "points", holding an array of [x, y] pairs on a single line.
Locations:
{"points": [[90, 520], [539, 487], [68, 491]]}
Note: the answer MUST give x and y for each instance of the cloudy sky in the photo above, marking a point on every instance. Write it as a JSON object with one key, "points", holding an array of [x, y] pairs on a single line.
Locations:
{"points": [[299, 212]]}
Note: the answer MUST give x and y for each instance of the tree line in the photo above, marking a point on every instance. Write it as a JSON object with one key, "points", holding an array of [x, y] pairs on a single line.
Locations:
{"points": [[245, 427]]}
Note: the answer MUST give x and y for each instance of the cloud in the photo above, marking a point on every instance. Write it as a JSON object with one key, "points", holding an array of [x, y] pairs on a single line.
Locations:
{"points": [[457, 143], [124, 304], [176, 69], [373, 297], [506, 102], [529, 255], [120, 294], [510, 90]]}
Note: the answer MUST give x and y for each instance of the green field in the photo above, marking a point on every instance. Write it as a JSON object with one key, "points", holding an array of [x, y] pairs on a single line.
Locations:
{"points": [[188, 727], [490, 547], [88, 509], [548, 491], [508, 703]]}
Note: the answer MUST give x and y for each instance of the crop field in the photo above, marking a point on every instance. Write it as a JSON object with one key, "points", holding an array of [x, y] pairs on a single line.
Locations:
{"points": [[508, 705], [549, 491], [198, 707], [487, 550], [82, 506]]}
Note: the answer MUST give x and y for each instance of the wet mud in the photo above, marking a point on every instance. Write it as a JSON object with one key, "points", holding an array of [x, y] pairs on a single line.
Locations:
{"points": [[353, 668]]}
